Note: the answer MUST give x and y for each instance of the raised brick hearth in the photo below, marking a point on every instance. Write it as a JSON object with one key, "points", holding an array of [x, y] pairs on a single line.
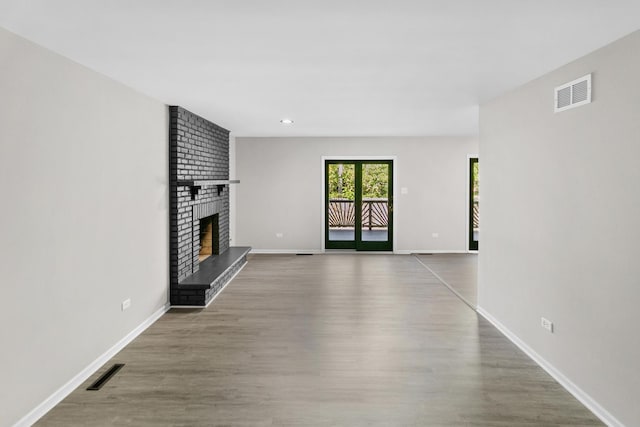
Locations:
{"points": [[199, 175]]}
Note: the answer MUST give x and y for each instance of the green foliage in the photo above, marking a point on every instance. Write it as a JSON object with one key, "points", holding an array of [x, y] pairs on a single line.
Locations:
{"points": [[342, 182], [375, 181], [476, 182]]}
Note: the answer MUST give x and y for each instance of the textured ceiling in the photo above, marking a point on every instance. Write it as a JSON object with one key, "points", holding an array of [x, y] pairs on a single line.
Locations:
{"points": [[337, 68]]}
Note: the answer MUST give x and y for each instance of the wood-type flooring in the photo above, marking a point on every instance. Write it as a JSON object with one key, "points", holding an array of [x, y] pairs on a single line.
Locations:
{"points": [[458, 271], [325, 340]]}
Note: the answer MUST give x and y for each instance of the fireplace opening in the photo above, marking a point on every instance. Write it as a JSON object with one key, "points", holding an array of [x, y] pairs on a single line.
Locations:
{"points": [[209, 237]]}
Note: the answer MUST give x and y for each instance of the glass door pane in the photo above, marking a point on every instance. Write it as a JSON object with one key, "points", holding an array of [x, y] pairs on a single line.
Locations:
{"points": [[341, 215], [375, 202]]}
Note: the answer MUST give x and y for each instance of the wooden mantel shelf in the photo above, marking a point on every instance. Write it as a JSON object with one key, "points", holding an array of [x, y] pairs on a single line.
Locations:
{"points": [[207, 183], [196, 185]]}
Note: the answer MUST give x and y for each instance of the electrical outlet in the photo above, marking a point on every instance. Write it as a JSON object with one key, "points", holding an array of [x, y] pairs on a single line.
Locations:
{"points": [[126, 304], [435, 235], [279, 235], [404, 190], [547, 324]]}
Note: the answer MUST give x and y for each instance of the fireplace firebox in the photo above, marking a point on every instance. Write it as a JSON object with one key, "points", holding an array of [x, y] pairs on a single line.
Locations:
{"points": [[209, 237]]}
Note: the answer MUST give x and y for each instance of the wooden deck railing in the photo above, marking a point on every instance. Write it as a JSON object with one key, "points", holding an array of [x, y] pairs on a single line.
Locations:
{"points": [[375, 213], [476, 214]]}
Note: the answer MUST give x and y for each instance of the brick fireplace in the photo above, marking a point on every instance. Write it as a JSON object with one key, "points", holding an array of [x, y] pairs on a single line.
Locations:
{"points": [[201, 261]]}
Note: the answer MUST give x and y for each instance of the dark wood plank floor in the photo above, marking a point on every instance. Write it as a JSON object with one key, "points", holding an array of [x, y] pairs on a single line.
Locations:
{"points": [[325, 340]]}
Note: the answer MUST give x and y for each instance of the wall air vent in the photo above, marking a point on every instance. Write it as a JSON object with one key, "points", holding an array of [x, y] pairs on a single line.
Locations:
{"points": [[573, 94]]}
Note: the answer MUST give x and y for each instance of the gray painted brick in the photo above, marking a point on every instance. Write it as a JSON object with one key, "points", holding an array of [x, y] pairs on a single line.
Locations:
{"points": [[199, 149]]}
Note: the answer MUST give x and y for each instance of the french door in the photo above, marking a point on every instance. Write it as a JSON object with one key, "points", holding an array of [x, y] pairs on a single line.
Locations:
{"points": [[359, 205], [474, 205]]}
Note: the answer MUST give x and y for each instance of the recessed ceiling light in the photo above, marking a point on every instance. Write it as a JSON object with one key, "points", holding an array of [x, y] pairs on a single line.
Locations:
{"points": [[286, 121]]}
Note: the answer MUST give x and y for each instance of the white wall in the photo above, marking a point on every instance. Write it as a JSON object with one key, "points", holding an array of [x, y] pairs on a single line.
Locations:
{"points": [[281, 190], [561, 224], [84, 222]]}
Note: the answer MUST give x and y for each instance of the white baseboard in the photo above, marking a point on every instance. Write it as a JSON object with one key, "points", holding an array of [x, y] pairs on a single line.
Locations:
{"points": [[320, 251], [604, 415], [354, 252], [40, 410], [286, 251], [429, 251]]}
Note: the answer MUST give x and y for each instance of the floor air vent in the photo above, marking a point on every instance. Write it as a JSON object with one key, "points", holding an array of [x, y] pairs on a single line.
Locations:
{"points": [[97, 385], [573, 94]]}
